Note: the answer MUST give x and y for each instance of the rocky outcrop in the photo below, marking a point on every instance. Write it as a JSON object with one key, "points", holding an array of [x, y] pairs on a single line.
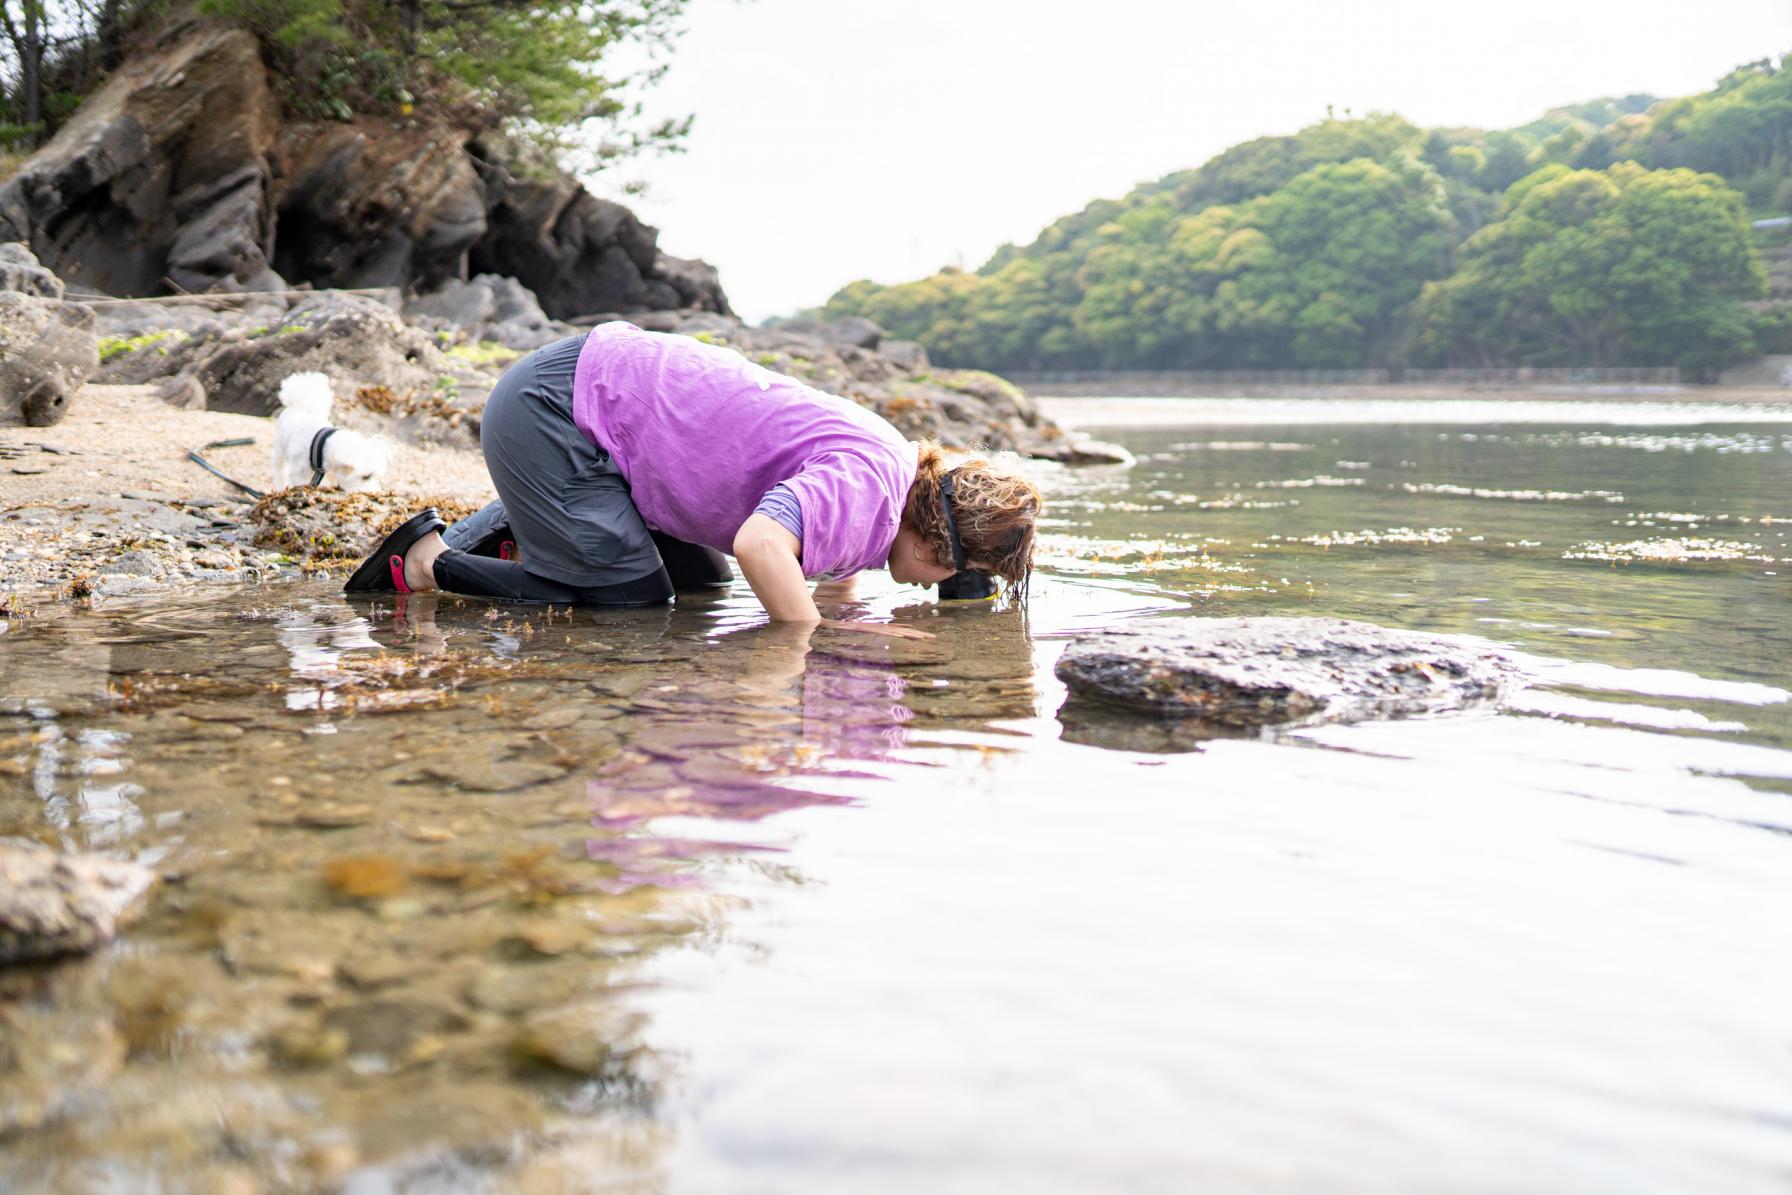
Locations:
{"points": [[53, 904], [367, 205], [489, 307], [180, 175], [47, 350], [1252, 672], [388, 377], [576, 252], [356, 341], [163, 179]]}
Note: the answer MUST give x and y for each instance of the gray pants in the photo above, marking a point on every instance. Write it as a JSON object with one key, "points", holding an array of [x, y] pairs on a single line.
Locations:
{"points": [[564, 504]]}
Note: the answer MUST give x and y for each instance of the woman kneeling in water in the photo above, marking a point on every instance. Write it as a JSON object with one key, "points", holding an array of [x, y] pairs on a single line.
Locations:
{"points": [[627, 462]]}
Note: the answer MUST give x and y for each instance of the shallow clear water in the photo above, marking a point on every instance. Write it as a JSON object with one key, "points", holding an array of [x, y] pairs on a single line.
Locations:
{"points": [[464, 898]]}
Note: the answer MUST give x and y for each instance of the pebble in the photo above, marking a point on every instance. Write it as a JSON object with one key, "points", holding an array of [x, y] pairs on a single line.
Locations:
{"points": [[365, 877], [225, 713], [328, 816], [555, 719], [581, 1038], [553, 937], [374, 971], [496, 779], [517, 989], [138, 563], [308, 1046]]}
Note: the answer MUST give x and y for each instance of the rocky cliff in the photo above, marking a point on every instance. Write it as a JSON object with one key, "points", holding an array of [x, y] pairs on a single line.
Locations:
{"points": [[180, 175]]}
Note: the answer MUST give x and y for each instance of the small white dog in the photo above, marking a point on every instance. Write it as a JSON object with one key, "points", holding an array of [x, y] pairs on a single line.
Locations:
{"points": [[309, 450]]}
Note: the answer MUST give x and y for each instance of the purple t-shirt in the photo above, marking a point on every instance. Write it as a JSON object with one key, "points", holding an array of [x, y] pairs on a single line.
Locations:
{"points": [[701, 434]]}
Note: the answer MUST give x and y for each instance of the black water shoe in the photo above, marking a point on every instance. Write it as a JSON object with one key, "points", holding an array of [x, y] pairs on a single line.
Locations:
{"points": [[383, 572]]}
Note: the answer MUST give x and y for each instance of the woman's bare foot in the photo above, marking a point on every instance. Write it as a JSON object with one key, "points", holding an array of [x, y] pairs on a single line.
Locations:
{"points": [[420, 562]]}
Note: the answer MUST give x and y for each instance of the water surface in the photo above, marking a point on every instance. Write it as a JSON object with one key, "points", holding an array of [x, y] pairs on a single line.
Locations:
{"points": [[463, 897]]}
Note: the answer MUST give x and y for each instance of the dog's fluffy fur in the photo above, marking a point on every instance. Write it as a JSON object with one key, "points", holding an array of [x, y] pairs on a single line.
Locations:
{"points": [[352, 461]]}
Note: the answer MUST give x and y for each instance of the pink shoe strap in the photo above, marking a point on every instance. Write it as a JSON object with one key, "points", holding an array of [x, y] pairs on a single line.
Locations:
{"points": [[396, 564]]}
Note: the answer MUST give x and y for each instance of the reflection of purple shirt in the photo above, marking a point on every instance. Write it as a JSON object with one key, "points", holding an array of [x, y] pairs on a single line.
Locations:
{"points": [[702, 434], [853, 709]]}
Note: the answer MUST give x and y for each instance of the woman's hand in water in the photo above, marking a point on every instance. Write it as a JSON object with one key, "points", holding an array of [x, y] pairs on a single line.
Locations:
{"points": [[888, 630]]}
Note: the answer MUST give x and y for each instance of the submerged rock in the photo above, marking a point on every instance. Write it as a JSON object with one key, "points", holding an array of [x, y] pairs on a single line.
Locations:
{"points": [[53, 904], [1249, 672]]}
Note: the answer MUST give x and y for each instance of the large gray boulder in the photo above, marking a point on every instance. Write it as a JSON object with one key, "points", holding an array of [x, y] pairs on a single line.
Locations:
{"points": [[47, 350], [909, 354], [697, 283], [355, 340], [579, 254], [470, 304], [53, 904], [20, 271], [388, 377], [854, 330], [360, 210], [488, 307], [1251, 672]]}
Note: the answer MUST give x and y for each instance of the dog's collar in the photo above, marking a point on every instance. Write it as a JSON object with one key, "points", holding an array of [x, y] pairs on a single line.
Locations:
{"points": [[316, 455]]}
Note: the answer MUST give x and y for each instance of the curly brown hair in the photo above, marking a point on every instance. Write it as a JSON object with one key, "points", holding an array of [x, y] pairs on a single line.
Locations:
{"points": [[996, 512]]}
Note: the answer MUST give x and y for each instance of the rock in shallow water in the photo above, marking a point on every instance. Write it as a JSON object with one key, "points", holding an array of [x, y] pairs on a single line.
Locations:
{"points": [[1246, 672], [54, 904]]}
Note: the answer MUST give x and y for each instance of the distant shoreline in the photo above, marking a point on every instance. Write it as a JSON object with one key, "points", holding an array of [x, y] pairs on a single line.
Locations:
{"points": [[1431, 392], [1298, 406]]}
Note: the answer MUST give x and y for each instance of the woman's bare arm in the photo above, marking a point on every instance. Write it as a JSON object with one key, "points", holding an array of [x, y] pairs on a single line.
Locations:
{"points": [[771, 558]]}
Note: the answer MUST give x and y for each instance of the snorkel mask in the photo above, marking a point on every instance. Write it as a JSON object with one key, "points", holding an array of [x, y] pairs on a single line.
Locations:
{"points": [[967, 584]]}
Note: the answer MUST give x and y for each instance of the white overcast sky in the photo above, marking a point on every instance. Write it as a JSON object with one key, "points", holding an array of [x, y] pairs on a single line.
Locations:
{"points": [[843, 139]]}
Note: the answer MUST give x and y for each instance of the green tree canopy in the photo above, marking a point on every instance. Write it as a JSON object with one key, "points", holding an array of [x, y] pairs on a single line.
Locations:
{"points": [[1619, 266], [1311, 249], [1317, 274]]}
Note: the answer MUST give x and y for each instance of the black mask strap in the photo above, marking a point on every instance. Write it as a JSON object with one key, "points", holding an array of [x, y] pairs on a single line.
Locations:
{"points": [[966, 584], [951, 523]]}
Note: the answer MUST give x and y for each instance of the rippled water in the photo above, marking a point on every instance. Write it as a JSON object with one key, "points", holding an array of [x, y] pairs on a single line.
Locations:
{"points": [[467, 898]]}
